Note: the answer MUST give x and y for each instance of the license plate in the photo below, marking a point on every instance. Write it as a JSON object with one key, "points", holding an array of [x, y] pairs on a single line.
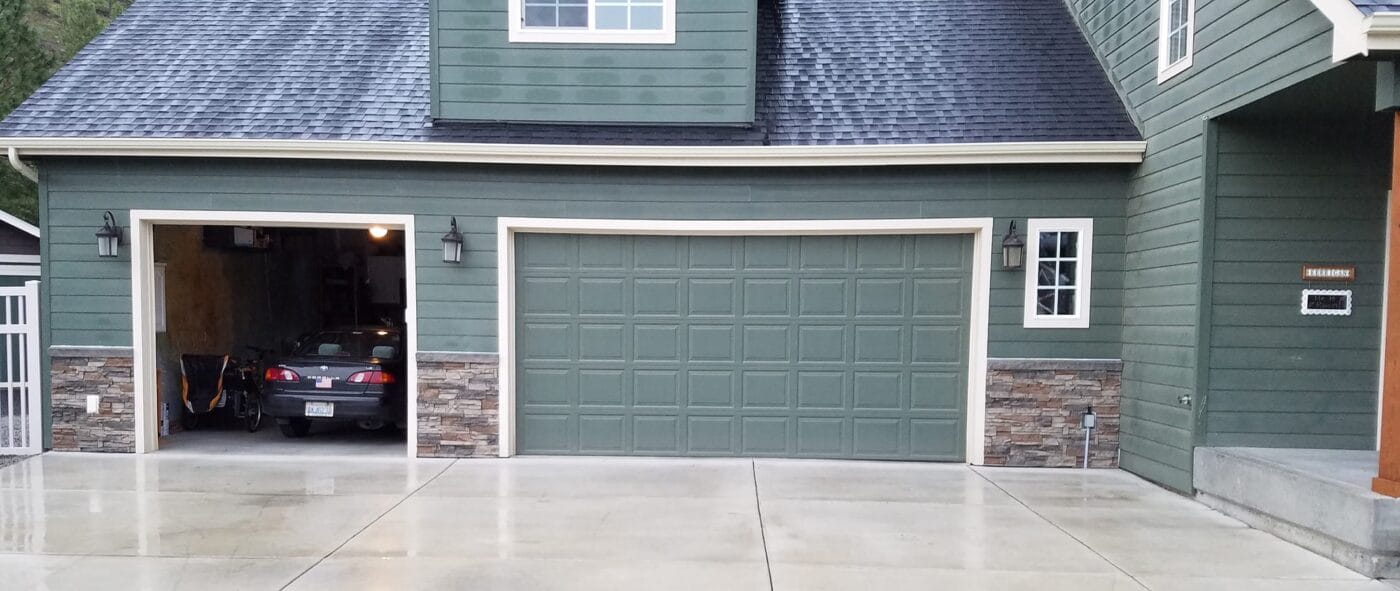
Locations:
{"points": [[320, 409], [324, 382]]}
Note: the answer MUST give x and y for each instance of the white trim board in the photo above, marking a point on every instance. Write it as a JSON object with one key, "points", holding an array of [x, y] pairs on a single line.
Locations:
{"points": [[143, 222], [20, 270], [979, 228], [686, 156], [1355, 33]]}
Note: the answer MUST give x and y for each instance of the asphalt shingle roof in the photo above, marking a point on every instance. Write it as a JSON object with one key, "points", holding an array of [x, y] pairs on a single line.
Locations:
{"points": [[1374, 6], [829, 72]]}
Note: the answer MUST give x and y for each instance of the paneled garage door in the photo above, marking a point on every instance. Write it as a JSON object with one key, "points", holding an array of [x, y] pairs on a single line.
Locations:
{"points": [[812, 346]]}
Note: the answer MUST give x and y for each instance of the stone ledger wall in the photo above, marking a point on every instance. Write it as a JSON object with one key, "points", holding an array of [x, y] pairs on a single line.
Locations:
{"points": [[1034, 409], [79, 372], [458, 405]]}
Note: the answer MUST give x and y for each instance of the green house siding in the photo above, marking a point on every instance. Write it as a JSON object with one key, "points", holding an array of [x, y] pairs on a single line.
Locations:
{"points": [[1243, 51], [706, 77], [90, 298], [1288, 194]]}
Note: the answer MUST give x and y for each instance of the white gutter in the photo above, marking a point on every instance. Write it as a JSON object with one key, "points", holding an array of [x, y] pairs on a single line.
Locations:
{"points": [[705, 156], [1356, 33], [24, 169], [1382, 32]]}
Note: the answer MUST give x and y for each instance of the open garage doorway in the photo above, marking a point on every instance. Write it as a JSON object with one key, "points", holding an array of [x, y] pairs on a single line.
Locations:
{"points": [[261, 337]]}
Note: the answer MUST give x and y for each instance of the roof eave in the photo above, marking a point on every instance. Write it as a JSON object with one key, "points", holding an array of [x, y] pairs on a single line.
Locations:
{"points": [[1355, 33], [1080, 152]]}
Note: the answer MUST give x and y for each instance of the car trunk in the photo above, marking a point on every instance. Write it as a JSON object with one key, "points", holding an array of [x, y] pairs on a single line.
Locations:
{"points": [[327, 375]]}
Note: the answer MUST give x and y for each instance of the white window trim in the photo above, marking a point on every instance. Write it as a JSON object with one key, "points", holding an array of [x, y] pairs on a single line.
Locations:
{"points": [[1085, 228], [1167, 70], [519, 33]]}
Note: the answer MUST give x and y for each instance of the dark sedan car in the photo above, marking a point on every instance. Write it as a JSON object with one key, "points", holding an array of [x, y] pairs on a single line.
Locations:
{"points": [[350, 374]]}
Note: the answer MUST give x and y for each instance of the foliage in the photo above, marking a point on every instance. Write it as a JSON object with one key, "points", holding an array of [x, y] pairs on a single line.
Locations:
{"points": [[81, 21], [36, 37], [24, 65]]}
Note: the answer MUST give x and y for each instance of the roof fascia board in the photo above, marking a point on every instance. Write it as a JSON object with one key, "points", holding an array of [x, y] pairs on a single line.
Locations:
{"points": [[1356, 33], [1383, 31], [1091, 152]]}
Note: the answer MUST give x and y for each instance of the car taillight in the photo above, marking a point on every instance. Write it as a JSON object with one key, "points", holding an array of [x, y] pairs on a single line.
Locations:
{"points": [[371, 377], [280, 374]]}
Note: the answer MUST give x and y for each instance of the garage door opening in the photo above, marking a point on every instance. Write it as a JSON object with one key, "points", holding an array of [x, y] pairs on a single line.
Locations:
{"points": [[271, 340]]}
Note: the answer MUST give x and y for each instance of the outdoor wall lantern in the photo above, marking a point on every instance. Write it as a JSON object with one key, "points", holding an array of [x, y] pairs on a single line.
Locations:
{"points": [[452, 244], [109, 238], [1013, 249]]}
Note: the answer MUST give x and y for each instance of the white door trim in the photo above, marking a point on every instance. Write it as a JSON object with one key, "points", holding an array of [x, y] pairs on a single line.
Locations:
{"points": [[143, 303], [979, 228]]}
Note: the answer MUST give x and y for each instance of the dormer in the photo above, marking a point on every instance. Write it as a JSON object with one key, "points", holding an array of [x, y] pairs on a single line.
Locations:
{"points": [[655, 62]]}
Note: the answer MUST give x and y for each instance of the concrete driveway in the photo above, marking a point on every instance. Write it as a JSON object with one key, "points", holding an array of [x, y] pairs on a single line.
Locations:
{"points": [[76, 521]]}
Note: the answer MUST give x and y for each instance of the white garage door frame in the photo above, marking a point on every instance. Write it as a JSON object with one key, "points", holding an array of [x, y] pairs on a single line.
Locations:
{"points": [[979, 228], [143, 222]]}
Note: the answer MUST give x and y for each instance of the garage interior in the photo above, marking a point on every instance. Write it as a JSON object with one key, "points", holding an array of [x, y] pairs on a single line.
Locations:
{"points": [[251, 292]]}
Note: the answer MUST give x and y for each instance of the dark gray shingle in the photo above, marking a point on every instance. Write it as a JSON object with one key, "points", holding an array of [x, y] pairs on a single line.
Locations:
{"points": [[829, 72]]}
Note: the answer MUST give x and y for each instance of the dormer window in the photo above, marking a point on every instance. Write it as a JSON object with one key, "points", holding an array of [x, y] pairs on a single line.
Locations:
{"points": [[1175, 37], [592, 21]]}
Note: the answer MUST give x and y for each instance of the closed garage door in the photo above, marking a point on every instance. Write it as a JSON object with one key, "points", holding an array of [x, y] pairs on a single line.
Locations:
{"points": [[812, 346]]}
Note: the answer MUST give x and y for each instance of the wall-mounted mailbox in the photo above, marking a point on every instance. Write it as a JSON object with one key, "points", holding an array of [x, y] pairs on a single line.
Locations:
{"points": [[1326, 302]]}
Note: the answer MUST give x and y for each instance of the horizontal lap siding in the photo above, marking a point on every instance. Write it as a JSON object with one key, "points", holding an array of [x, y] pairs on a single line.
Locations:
{"points": [[706, 77], [1300, 193], [1243, 52], [457, 303]]}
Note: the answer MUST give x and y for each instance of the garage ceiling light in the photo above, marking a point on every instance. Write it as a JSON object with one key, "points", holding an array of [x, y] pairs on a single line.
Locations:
{"points": [[378, 231]]}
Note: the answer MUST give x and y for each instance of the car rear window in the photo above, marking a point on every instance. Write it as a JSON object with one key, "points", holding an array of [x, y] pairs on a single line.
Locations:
{"points": [[353, 343]]}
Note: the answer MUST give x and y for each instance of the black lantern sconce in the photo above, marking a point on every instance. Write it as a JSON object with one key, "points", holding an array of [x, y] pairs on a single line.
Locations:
{"points": [[452, 244], [1013, 249], [109, 238]]}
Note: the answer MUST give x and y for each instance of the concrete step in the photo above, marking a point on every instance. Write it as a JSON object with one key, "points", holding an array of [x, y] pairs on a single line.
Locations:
{"points": [[1319, 499]]}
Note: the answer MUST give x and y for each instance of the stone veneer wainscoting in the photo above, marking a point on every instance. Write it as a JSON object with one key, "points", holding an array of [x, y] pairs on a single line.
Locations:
{"points": [[79, 372], [1034, 408], [458, 405]]}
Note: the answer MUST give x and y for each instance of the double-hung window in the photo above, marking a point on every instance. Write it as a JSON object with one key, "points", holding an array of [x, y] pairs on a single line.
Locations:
{"points": [[1058, 267], [1175, 37], [593, 21]]}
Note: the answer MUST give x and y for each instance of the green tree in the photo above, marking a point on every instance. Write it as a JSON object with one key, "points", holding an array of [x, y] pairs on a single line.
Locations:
{"points": [[81, 20], [23, 67], [27, 60]]}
